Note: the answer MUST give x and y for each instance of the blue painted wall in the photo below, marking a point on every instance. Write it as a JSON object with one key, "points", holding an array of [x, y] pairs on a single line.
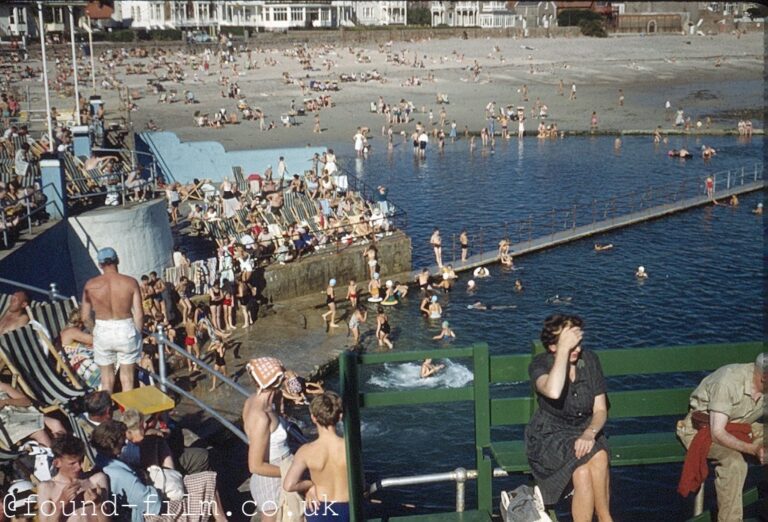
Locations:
{"points": [[184, 162], [42, 261]]}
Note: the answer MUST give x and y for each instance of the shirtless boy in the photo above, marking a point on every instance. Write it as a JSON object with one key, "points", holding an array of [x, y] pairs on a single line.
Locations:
{"points": [[115, 302], [71, 495], [16, 315], [327, 492]]}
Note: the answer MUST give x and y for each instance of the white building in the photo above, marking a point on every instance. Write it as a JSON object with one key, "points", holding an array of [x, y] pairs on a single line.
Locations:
{"points": [[267, 15], [380, 13], [488, 15]]}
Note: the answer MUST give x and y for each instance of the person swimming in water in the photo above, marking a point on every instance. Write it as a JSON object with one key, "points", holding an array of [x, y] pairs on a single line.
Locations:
{"points": [[641, 273], [428, 369], [758, 210], [481, 271], [389, 296], [435, 310], [518, 285], [599, 247], [445, 332], [383, 329], [471, 286], [558, 299], [482, 306]]}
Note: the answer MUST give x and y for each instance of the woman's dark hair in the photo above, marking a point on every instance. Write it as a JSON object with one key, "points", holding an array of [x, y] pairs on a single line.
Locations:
{"points": [[108, 437], [380, 309], [69, 445], [553, 326]]}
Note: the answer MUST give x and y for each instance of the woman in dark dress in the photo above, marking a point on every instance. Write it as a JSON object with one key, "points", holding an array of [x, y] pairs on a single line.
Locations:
{"points": [[564, 439]]}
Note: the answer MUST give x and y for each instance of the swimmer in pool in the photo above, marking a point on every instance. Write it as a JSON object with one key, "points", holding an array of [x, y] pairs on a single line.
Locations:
{"points": [[435, 310], [481, 271], [758, 210], [557, 299], [641, 273], [518, 285], [471, 286], [428, 369], [481, 306], [599, 247], [506, 260], [445, 332]]}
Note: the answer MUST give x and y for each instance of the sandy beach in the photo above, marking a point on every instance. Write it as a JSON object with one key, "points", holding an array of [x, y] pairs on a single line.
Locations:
{"points": [[716, 76]]}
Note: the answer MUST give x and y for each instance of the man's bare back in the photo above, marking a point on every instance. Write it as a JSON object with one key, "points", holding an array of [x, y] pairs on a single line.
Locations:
{"points": [[111, 295]]}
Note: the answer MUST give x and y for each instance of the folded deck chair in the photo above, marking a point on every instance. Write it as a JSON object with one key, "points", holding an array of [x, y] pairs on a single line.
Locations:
{"points": [[242, 185], [35, 372], [54, 316], [195, 192]]}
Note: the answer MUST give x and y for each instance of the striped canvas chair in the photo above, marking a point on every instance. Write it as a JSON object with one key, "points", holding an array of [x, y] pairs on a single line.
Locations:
{"points": [[34, 369], [242, 184], [53, 315]]}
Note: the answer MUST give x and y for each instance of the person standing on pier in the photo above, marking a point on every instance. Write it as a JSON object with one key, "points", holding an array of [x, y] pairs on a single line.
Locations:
{"points": [[114, 300], [437, 246]]}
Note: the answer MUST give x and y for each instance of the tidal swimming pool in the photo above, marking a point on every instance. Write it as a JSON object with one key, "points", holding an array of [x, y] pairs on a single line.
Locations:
{"points": [[706, 281]]}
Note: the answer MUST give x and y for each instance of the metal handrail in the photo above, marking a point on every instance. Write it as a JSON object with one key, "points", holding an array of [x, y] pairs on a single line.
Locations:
{"points": [[52, 293], [166, 383], [458, 475], [547, 223], [29, 212]]}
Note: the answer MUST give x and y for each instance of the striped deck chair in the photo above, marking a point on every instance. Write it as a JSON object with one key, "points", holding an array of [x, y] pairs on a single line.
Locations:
{"points": [[216, 231], [230, 226], [54, 316], [242, 218], [242, 184], [24, 354], [17, 142], [7, 170], [5, 302], [75, 175], [80, 432]]}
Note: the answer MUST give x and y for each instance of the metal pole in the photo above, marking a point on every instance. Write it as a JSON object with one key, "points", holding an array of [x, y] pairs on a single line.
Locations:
{"points": [[461, 479], [45, 77], [161, 356], [52, 294], [74, 64], [90, 45]]}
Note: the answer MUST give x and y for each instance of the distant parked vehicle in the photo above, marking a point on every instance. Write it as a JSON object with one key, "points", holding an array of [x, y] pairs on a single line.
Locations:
{"points": [[199, 38]]}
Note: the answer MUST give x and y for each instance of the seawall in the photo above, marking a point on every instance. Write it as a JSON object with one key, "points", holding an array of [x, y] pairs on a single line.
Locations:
{"points": [[311, 274]]}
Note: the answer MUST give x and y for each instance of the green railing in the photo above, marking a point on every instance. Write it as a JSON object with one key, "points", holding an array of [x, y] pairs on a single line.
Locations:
{"points": [[496, 410]]}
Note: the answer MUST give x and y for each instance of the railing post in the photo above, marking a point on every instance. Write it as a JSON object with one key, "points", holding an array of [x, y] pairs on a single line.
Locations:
{"points": [[29, 215], [161, 355], [728, 180], [461, 479], [574, 216], [52, 292]]}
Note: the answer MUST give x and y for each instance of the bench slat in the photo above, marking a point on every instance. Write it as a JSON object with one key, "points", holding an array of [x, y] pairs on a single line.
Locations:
{"points": [[703, 357], [466, 516], [626, 450]]}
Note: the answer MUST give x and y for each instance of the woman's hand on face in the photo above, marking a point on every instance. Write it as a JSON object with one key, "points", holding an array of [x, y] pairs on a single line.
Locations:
{"points": [[569, 339], [584, 444]]}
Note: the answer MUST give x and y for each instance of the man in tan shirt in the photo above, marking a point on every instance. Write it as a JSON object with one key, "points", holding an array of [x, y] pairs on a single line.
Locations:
{"points": [[733, 393], [115, 302], [327, 493]]}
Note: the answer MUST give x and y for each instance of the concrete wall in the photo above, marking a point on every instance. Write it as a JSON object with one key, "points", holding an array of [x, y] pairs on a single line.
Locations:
{"points": [[42, 261], [184, 162], [280, 282], [140, 234]]}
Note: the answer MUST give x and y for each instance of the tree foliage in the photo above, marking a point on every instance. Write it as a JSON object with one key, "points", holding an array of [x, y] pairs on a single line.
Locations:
{"points": [[419, 16]]}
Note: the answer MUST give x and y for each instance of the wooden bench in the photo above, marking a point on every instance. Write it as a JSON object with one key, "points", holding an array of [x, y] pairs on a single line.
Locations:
{"points": [[655, 447]]}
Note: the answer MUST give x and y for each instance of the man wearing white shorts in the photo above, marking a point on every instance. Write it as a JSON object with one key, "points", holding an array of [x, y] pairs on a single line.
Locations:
{"points": [[114, 301]]}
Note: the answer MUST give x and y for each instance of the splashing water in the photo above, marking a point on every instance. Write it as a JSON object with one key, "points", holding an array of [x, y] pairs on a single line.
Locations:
{"points": [[408, 376]]}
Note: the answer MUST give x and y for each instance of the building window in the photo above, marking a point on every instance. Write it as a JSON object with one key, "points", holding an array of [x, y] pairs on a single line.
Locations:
{"points": [[280, 14], [157, 12], [367, 13], [297, 14], [136, 14]]}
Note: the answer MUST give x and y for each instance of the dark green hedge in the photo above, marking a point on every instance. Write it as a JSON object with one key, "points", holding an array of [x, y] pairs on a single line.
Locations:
{"points": [[574, 17]]}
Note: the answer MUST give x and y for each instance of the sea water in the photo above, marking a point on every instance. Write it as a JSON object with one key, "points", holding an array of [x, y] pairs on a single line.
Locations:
{"points": [[705, 285]]}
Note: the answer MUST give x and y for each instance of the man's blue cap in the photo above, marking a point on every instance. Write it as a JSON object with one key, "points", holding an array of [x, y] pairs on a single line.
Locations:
{"points": [[106, 254]]}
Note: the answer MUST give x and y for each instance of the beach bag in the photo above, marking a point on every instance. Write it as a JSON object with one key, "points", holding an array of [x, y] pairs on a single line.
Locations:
{"points": [[167, 480], [523, 504]]}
